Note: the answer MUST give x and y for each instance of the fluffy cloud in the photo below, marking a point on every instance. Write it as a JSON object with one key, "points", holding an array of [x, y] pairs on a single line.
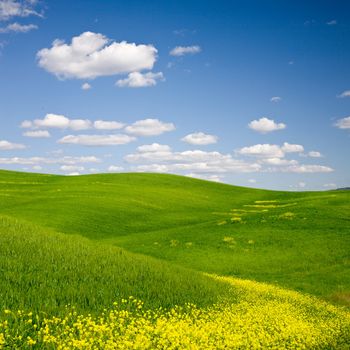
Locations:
{"points": [[57, 121], [215, 178], [8, 146], [200, 138], [115, 169], [97, 140], [275, 99], [69, 160], [107, 125], [137, 80], [149, 127], [37, 134], [330, 185], [292, 148], [278, 161], [308, 169], [72, 168], [18, 28], [185, 50], [344, 94], [92, 55], [165, 160], [86, 86], [262, 150], [265, 125], [314, 154], [14, 8], [343, 123]]}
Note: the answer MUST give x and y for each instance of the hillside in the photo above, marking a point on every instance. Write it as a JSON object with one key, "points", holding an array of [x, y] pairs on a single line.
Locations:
{"points": [[296, 240]]}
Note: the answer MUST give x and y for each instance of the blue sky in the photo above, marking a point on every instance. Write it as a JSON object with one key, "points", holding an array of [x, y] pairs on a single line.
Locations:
{"points": [[252, 93]]}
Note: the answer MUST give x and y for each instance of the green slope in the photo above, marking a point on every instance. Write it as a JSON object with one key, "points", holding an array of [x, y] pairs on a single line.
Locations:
{"points": [[297, 240]]}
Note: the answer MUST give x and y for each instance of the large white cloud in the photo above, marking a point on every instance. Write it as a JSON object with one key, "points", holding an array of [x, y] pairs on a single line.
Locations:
{"points": [[137, 79], [97, 140], [149, 127], [265, 125], [343, 123], [185, 50], [92, 55], [200, 138], [8, 146]]}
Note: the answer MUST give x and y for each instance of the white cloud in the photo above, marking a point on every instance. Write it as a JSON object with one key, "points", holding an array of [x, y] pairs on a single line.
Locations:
{"points": [[252, 181], [115, 169], [137, 79], [97, 140], [301, 184], [37, 167], [107, 125], [278, 161], [44, 160], [291, 148], [265, 125], [214, 177], [37, 134], [332, 22], [200, 138], [343, 123], [74, 173], [57, 121], [8, 146], [330, 185], [314, 154], [91, 55], [86, 86], [262, 150], [185, 50], [18, 28], [275, 99], [344, 94], [165, 160], [308, 169], [149, 127], [13, 8], [72, 168]]}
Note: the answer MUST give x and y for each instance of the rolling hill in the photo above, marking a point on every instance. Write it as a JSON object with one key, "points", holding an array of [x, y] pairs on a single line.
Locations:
{"points": [[89, 241]]}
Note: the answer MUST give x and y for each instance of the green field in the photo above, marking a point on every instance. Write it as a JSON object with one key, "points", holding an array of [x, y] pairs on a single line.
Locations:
{"points": [[89, 241]]}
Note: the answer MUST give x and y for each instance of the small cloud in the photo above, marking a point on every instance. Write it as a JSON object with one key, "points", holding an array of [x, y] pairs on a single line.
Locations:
{"points": [[275, 99], [37, 134], [291, 63], [107, 125], [252, 181], [200, 138], [14, 8], [333, 22], [308, 169], [86, 86], [8, 146], [57, 121], [314, 154], [149, 127], [115, 169], [72, 168], [18, 28], [265, 125], [214, 177], [137, 80], [330, 185], [344, 94], [343, 123], [97, 140], [185, 50], [292, 148]]}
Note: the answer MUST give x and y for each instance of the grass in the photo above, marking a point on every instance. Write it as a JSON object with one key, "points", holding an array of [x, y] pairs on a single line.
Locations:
{"points": [[90, 241]]}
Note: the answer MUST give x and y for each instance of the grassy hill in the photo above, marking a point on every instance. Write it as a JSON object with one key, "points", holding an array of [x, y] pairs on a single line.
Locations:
{"points": [[89, 241]]}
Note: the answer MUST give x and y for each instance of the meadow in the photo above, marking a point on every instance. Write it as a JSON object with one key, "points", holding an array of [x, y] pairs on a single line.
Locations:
{"points": [[162, 261]]}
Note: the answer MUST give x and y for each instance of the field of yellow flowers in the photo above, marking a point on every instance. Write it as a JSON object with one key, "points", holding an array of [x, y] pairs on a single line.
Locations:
{"points": [[263, 317]]}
